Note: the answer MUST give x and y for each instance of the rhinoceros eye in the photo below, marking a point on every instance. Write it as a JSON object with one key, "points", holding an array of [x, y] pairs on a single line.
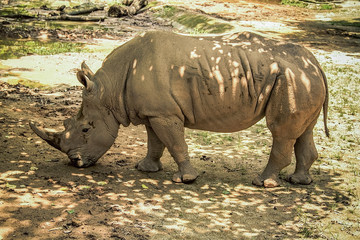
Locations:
{"points": [[85, 130]]}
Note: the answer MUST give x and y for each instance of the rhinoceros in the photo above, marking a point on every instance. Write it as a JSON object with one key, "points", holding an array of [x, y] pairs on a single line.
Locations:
{"points": [[167, 81]]}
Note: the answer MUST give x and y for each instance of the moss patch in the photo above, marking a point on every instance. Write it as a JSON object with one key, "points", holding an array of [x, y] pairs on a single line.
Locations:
{"points": [[203, 24], [15, 49], [16, 12], [193, 22], [29, 84]]}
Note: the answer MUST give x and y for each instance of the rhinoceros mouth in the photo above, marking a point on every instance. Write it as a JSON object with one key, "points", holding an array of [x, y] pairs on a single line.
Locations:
{"points": [[78, 161]]}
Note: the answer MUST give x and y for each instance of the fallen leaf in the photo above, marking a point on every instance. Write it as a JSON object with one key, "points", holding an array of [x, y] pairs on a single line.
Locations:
{"points": [[8, 185], [144, 186], [101, 183]]}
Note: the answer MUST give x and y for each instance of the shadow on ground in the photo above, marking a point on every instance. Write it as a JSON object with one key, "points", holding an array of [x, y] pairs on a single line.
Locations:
{"points": [[327, 35], [43, 197]]}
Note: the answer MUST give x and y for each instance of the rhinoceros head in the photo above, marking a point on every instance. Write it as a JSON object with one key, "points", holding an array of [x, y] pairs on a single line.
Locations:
{"points": [[91, 133]]}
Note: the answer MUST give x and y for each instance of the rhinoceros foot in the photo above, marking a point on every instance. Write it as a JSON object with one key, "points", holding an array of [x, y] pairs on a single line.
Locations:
{"points": [[268, 182], [149, 165], [300, 178], [184, 178]]}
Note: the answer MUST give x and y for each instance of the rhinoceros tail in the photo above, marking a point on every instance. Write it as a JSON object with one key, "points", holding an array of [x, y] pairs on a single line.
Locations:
{"points": [[326, 104]]}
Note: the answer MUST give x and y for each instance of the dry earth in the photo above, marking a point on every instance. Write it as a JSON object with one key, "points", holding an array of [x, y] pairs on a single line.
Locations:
{"points": [[43, 197]]}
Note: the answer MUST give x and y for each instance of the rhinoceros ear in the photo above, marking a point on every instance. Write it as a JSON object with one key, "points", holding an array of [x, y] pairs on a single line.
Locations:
{"points": [[85, 80], [87, 71]]}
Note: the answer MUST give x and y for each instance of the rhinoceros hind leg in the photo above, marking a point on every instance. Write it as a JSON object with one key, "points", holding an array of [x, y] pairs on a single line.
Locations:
{"points": [[306, 154], [280, 157], [149, 165], [152, 163], [170, 131]]}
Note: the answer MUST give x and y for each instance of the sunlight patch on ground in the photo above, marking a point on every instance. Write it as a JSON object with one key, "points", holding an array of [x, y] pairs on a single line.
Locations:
{"points": [[57, 69], [274, 29]]}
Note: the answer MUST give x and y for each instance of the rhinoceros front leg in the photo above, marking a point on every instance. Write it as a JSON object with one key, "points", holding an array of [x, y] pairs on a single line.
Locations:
{"points": [[280, 157], [170, 130], [151, 163]]}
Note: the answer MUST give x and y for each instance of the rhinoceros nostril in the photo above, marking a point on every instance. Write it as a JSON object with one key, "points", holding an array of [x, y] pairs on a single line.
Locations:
{"points": [[77, 161]]}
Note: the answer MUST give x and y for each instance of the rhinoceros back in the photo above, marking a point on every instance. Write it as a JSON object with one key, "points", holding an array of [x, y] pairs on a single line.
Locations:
{"points": [[213, 83]]}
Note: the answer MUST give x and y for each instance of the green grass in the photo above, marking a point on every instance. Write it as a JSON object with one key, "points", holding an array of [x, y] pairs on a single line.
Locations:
{"points": [[20, 8], [345, 97], [167, 11], [15, 49], [211, 138], [294, 3], [15, 11], [326, 6], [304, 4]]}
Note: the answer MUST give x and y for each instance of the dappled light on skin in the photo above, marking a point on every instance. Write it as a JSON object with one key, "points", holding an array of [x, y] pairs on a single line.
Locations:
{"points": [[220, 80], [67, 135], [134, 66], [261, 50], [306, 63], [274, 68], [235, 79], [182, 71], [305, 81], [291, 88], [194, 55]]}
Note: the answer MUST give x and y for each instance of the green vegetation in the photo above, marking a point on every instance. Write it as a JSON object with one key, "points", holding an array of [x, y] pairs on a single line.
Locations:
{"points": [[326, 6], [20, 8], [308, 4], [15, 11], [167, 11], [15, 48], [193, 22], [210, 138], [347, 96], [28, 83], [203, 24], [63, 25], [294, 3]]}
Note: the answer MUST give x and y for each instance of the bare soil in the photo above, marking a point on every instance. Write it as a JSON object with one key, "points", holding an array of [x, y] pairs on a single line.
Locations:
{"points": [[43, 197]]}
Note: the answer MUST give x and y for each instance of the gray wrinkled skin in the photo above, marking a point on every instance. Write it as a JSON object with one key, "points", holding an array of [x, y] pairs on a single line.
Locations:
{"points": [[225, 83]]}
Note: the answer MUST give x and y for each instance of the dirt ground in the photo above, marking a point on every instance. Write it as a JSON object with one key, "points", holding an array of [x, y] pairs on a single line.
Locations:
{"points": [[43, 197]]}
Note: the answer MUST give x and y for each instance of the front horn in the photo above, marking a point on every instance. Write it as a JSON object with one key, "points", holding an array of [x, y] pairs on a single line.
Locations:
{"points": [[52, 138]]}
